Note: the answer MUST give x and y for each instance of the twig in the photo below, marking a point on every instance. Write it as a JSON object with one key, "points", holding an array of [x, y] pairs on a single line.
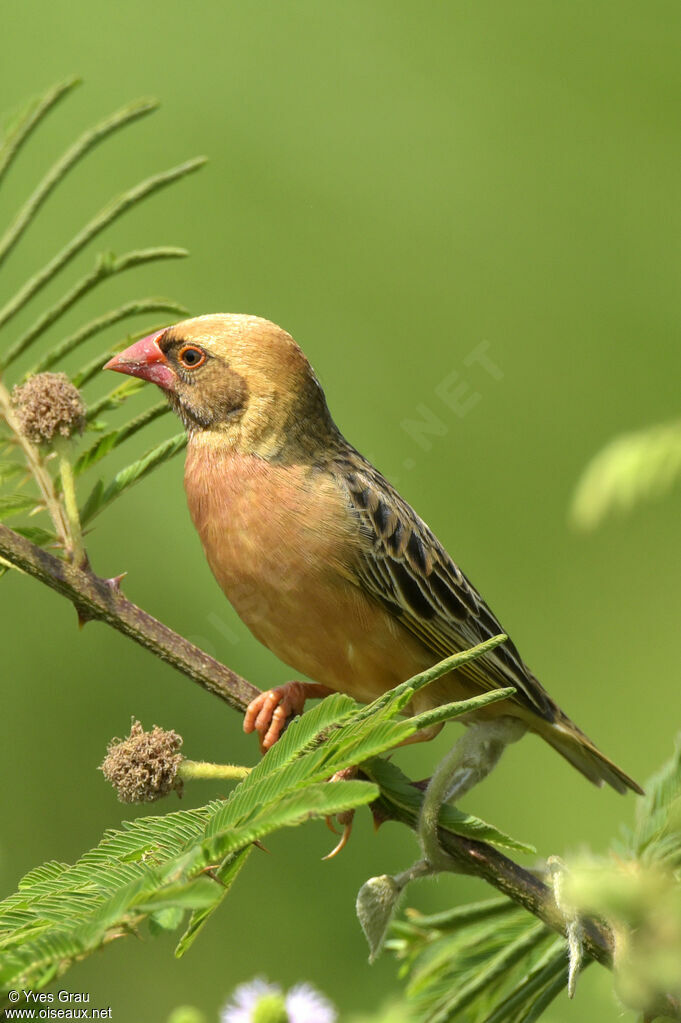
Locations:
{"points": [[68, 486], [37, 467], [523, 887], [100, 599]]}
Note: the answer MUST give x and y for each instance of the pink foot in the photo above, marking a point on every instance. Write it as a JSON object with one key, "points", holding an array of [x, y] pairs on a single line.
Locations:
{"points": [[268, 713]]}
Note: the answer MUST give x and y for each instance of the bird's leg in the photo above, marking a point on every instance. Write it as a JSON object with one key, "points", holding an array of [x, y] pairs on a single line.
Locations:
{"points": [[267, 713], [469, 761]]}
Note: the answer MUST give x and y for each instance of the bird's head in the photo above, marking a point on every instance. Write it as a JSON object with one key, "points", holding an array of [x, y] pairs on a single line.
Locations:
{"points": [[239, 378]]}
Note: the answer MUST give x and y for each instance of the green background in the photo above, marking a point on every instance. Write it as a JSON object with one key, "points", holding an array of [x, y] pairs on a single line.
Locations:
{"points": [[395, 183]]}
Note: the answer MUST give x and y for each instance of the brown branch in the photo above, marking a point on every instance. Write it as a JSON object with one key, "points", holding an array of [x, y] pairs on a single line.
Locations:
{"points": [[524, 888], [100, 599], [508, 877]]}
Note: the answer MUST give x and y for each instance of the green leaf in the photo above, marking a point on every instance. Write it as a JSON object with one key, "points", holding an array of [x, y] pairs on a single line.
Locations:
{"points": [[302, 734], [36, 534], [523, 997], [103, 322], [548, 995], [45, 873], [495, 969], [102, 495], [14, 504], [632, 468], [657, 832], [168, 919], [321, 800], [92, 368], [226, 875], [8, 470], [450, 711], [106, 266], [464, 916], [398, 698], [344, 747], [21, 128], [398, 789], [375, 905], [61, 168], [114, 399], [106, 216], [487, 962], [114, 438]]}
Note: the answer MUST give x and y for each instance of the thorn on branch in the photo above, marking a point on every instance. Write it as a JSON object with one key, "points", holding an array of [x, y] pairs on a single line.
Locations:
{"points": [[114, 583], [84, 616]]}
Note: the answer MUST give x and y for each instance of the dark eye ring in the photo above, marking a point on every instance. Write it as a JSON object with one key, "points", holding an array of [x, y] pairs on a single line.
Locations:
{"points": [[191, 356]]}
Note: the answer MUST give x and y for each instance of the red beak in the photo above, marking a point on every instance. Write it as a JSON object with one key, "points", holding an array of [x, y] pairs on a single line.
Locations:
{"points": [[145, 359]]}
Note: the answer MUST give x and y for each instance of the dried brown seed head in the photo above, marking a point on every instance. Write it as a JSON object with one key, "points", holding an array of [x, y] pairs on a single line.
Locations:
{"points": [[48, 405], [143, 767]]}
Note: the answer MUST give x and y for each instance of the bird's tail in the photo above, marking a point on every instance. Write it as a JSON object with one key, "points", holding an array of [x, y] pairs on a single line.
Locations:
{"points": [[578, 749]]}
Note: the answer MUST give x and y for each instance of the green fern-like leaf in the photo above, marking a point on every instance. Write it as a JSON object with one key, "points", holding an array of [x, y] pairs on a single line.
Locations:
{"points": [[156, 869], [51, 355], [489, 962], [633, 468], [114, 438], [14, 504], [398, 790], [102, 495], [10, 470]]}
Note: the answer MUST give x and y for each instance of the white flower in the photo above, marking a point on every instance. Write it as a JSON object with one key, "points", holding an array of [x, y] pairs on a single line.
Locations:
{"points": [[305, 1005], [240, 1007], [302, 1004]]}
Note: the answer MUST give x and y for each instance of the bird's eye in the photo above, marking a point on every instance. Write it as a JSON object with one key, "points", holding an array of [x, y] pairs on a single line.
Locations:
{"points": [[191, 356]]}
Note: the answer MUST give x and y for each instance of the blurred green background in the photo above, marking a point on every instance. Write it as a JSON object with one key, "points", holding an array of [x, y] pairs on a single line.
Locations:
{"points": [[396, 184]]}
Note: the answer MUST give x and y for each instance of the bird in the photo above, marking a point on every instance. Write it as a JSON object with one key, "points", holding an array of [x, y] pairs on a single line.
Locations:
{"points": [[324, 561]]}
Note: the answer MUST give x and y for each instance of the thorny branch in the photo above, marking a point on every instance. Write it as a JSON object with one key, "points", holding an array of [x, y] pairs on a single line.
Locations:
{"points": [[101, 600]]}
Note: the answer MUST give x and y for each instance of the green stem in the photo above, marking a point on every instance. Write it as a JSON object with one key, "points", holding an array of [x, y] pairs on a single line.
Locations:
{"points": [[37, 468], [61, 168], [430, 810], [105, 267], [109, 213], [101, 323], [68, 485], [192, 769], [31, 119]]}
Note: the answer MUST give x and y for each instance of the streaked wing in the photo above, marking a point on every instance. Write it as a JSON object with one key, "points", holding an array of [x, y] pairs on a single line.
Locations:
{"points": [[404, 566]]}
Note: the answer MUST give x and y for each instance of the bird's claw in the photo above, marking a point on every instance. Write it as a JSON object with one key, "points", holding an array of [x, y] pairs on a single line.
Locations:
{"points": [[345, 818], [268, 712]]}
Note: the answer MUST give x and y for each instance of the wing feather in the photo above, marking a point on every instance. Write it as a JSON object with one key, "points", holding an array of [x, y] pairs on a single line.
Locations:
{"points": [[403, 565]]}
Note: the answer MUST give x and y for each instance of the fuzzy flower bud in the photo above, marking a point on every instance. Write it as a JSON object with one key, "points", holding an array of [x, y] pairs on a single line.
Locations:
{"points": [[376, 902], [186, 1014], [143, 767], [48, 405]]}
